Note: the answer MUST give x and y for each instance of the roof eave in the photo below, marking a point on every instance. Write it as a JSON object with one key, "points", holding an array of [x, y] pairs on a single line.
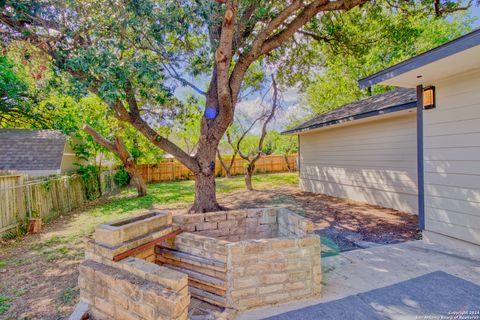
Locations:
{"points": [[450, 48], [401, 107]]}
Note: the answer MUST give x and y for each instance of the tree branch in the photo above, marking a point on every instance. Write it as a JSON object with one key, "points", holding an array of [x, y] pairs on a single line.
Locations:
{"points": [[174, 74], [98, 138], [309, 12], [223, 57]]}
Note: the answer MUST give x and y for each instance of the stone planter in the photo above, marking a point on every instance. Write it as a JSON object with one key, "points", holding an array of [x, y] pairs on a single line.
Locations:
{"points": [[141, 268], [247, 258]]}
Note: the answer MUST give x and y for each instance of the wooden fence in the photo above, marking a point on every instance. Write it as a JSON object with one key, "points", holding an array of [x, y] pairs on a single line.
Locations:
{"points": [[46, 198], [173, 170]]}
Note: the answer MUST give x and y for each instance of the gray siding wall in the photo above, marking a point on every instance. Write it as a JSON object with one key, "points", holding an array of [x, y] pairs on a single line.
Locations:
{"points": [[372, 160], [452, 159]]}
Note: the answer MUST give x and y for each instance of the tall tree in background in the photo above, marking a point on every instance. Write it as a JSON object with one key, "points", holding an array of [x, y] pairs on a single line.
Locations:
{"points": [[252, 155], [231, 158], [117, 147], [126, 52]]}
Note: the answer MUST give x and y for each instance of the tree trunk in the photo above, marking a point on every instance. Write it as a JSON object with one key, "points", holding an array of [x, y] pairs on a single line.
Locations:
{"points": [[131, 167], [248, 176], [205, 192], [119, 149], [224, 166], [205, 195], [285, 157], [135, 177], [212, 129]]}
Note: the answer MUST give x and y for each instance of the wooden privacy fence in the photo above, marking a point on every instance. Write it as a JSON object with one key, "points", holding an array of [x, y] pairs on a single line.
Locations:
{"points": [[46, 198], [174, 170]]}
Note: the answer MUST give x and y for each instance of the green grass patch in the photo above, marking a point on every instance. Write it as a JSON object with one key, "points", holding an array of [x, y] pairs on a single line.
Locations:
{"points": [[67, 295], [184, 192], [4, 304], [57, 253], [125, 203], [3, 263]]}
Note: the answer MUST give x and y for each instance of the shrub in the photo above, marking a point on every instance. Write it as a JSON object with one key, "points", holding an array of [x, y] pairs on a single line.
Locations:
{"points": [[121, 177]]}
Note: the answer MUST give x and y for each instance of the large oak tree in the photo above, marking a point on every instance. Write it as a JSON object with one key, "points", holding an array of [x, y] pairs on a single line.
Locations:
{"points": [[128, 52]]}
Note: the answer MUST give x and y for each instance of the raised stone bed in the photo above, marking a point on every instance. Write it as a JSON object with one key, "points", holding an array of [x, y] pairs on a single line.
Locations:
{"points": [[134, 287], [246, 258], [141, 268]]}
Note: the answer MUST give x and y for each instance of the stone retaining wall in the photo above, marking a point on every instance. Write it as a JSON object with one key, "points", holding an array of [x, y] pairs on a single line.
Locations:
{"points": [[263, 272], [271, 255], [234, 225], [133, 288]]}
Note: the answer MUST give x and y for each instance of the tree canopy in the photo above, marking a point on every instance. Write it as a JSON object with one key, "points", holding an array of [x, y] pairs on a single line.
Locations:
{"points": [[368, 39]]}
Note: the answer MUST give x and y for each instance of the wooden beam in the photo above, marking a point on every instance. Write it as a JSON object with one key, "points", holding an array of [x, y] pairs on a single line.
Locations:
{"points": [[145, 246], [207, 296], [208, 270], [190, 258]]}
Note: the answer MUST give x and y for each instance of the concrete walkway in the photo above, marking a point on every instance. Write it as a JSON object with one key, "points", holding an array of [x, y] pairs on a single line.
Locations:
{"points": [[358, 271]]}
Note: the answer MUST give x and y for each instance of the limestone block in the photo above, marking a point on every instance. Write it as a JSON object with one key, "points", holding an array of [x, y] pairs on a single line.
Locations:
{"points": [[206, 226], [123, 230], [215, 216]]}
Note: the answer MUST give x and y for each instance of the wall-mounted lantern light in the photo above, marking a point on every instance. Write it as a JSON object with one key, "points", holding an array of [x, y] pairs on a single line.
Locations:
{"points": [[429, 97]]}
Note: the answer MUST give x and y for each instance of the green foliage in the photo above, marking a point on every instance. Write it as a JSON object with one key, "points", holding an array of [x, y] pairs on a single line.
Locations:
{"points": [[281, 144], [91, 176], [67, 295], [4, 304], [368, 39], [121, 177], [12, 86]]}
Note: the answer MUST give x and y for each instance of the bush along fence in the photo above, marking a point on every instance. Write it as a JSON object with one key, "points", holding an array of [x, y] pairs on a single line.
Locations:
{"points": [[23, 198], [174, 170]]}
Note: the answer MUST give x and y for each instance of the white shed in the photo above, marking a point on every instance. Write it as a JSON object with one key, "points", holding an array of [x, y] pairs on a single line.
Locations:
{"points": [[365, 150], [447, 81]]}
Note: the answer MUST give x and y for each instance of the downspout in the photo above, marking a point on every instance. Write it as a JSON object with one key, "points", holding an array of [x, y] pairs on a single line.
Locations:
{"points": [[420, 160]]}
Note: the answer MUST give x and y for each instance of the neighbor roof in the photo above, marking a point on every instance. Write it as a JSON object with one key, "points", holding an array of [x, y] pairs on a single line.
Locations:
{"points": [[391, 101], [25, 149], [453, 47]]}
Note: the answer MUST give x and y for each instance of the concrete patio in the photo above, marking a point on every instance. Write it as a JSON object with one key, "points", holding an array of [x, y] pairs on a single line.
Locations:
{"points": [[359, 271]]}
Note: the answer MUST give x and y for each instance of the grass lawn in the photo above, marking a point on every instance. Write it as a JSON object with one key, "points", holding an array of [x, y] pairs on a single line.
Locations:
{"points": [[171, 194], [39, 272]]}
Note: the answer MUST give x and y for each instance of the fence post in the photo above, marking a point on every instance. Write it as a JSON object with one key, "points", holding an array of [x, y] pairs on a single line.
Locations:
{"points": [[29, 202], [20, 199], [67, 185]]}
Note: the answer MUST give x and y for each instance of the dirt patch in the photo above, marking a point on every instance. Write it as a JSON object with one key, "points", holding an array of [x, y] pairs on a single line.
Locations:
{"points": [[39, 273], [343, 224]]}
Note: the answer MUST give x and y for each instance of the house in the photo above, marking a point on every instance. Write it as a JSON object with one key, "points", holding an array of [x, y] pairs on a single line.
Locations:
{"points": [[413, 152], [36, 152], [365, 150], [447, 82]]}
